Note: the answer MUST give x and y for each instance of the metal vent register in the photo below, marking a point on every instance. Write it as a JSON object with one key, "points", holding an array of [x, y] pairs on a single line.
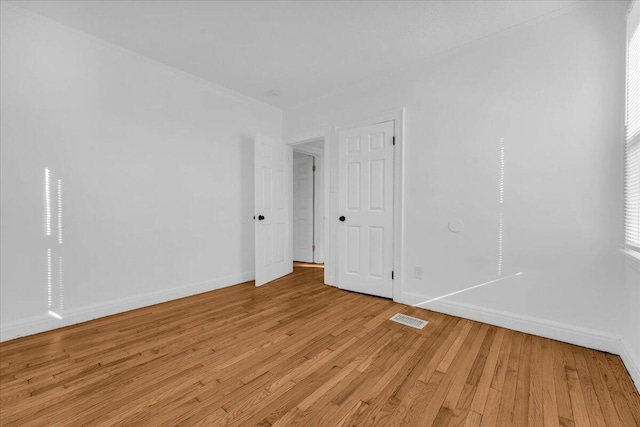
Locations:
{"points": [[409, 321]]}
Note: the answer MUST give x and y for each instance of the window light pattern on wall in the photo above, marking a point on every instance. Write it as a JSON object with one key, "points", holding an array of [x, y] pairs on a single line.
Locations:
{"points": [[53, 226], [632, 145], [60, 211], [47, 202]]}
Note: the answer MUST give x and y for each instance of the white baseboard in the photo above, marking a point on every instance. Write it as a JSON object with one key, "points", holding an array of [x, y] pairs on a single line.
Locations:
{"points": [[632, 363], [45, 322], [565, 332]]}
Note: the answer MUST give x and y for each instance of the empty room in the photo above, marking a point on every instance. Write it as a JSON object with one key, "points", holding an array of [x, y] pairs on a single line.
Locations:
{"points": [[328, 213]]}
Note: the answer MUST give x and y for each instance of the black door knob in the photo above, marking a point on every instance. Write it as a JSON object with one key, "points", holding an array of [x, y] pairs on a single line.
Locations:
{"points": [[342, 218], [260, 217]]}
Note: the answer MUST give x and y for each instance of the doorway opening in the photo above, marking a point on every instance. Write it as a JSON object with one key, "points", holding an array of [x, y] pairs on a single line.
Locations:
{"points": [[306, 265], [308, 203], [333, 222]]}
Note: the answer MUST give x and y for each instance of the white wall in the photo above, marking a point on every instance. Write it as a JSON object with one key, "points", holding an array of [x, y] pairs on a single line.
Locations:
{"points": [[156, 169], [553, 94]]}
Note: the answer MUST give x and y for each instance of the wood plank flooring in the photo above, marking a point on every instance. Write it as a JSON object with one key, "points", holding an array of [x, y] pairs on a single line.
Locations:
{"points": [[296, 352]]}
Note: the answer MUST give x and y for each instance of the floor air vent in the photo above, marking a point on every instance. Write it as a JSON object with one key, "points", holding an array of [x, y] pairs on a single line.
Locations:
{"points": [[409, 321]]}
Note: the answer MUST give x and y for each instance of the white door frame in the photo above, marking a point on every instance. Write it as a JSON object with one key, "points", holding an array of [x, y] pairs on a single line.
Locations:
{"points": [[322, 157], [330, 137]]}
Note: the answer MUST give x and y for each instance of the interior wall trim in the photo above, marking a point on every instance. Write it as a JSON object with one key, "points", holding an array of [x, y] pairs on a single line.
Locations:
{"points": [[45, 322], [631, 362], [585, 337]]}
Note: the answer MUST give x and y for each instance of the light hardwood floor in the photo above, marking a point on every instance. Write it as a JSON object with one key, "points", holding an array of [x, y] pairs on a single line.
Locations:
{"points": [[297, 352]]}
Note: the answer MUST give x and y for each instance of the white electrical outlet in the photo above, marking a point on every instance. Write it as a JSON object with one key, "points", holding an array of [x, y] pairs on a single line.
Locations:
{"points": [[417, 272]]}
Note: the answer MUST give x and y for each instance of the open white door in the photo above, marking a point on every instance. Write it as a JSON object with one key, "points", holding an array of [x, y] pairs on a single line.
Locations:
{"points": [[272, 172], [365, 209], [303, 170]]}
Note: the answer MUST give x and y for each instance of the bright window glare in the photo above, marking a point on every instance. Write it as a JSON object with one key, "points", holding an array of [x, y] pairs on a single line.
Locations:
{"points": [[632, 146], [56, 315], [633, 87]]}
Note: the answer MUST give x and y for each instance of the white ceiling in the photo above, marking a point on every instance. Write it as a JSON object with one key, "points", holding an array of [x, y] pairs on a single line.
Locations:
{"points": [[304, 49]]}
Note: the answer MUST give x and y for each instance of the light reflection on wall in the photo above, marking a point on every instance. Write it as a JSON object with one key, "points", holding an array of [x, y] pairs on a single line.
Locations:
{"points": [[60, 285], [500, 215], [500, 277], [60, 211], [500, 228], [53, 249], [47, 202], [49, 280], [466, 289]]}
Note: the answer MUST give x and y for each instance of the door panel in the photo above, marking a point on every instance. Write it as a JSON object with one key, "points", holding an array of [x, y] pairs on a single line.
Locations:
{"points": [[353, 186], [376, 252], [352, 251], [365, 199], [272, 163], [303, 207]]}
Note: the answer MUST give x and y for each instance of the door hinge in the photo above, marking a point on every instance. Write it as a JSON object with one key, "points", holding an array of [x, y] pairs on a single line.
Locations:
{"points": [[313, 248], [392, 275], [394, 140], [313, 168]]}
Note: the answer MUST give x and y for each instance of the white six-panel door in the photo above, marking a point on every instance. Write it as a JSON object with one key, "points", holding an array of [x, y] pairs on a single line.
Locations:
{"points": [[303, 207], [365, 209], [272, 167]]}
